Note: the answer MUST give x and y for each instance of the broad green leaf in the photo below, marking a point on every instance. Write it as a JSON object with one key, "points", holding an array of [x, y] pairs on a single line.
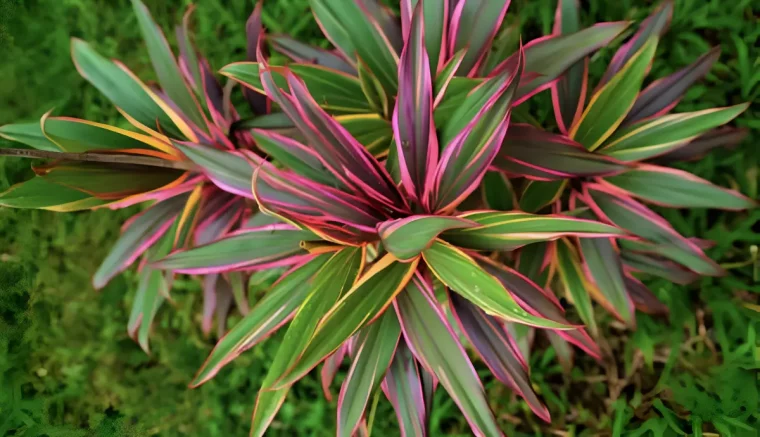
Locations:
{"points": [[569, 93], [166, 68], [79, 136], [142, 232], [336, 92], [434, 15], [532, 260], [435, 345], [404, 386], [268, 403], [609, 105], [231, 172], [293, 156], [150, 295], [406, 238], [40, 193], [109, 181], [510, 230], [332, 281], [122, 88], [498, 193], [655, 137], [604, 268], [461, 274], [374, 349], [368, 298], [574, 281], [677, 189], [373, 90], [267, 315], [357, 34], [270, 245], [538, 194], [370, 130], [473, 28], [547, 58], [29, 134]]}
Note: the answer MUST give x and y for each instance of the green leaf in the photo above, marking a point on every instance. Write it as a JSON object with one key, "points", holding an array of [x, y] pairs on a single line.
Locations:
{"points": [[461, 273], [370, 130], [166, 68], [655, 137], [368, 298], [354, 32], [373, 90], [268, 245], [404, 386], [406, 238], [29, 134], [436, 346], [575, 284], [268, 403], [141, 233], [121, 87], [332, 281], [79, 136], [498, 193], [374, 349], [509, 230], [609, 105], [150, 295], [336, 92], [677, 189], [537, 194], [270, 312], [43, 194], [232, 172], [604, 268]]}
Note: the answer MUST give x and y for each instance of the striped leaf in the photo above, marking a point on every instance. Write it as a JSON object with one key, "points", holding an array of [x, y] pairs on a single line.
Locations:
{"points": [[264, 247], [446, 75], [473, 136], [497, 350], [141, 232], [473, 26], [374, 350], [539, 155], [434, 343], [510, 230], [657, 266], [434, 16], [610, 104], [349, 161], [643, 222], [39, 193], [362, 304], [29, 134], [305, 53], [79, 136], [653, 27], [677, 189], [652, 138], [547, 58], [165, 65], [151, 289], [406, 238], [664, 94], [332, 281], [274, 309], [403, 386], [569, 92], [539, 302], [459, 272], [338, 92], [577, 287], [355, 32], [601, 262], [498, 192], [371, 131], [333, 214], [643, 298], [725, 136], [254, 35], [414, 131], [294, 156], [230, 171], [538, 194], [122, 88]]}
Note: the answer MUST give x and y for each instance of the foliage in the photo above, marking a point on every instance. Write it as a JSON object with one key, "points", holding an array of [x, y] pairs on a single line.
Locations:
{"points": [[682, 400]]}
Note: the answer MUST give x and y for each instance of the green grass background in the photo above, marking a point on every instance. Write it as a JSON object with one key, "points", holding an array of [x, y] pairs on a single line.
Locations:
{"points": [[68, 368]]}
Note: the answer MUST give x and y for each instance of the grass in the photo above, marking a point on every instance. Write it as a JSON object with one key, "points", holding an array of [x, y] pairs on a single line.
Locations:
{"points": [[68, 368]]}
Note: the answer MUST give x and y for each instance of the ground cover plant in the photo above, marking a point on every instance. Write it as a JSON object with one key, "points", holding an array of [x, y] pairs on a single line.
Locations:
{"points": [[662, 407]]}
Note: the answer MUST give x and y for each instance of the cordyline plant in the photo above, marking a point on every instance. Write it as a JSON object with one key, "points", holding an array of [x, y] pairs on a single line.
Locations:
{"points": [[96, 165], [606, 158], [381, 194]]}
